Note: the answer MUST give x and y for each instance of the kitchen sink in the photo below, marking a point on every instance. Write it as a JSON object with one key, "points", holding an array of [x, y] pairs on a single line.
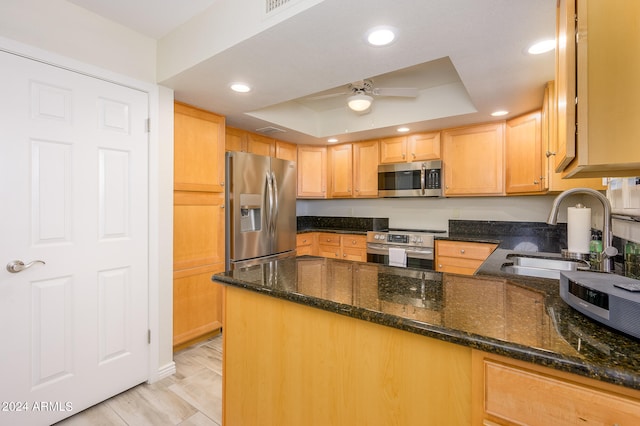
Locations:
{"points": [[541, 266]]}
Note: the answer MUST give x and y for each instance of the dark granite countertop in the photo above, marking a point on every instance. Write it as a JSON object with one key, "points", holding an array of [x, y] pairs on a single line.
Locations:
{"points": [[519, 317], [341, 225]]}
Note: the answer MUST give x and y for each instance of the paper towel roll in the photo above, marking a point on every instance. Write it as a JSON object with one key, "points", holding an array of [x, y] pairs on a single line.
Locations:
{"points": [[578, 229]]}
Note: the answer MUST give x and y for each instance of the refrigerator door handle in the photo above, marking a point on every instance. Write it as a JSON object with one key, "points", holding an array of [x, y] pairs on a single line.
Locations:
{"points": [[269, 206], [274, 216]]}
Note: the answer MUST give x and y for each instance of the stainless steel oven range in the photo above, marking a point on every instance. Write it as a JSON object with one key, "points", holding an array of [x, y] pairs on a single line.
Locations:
{"points": [[411, 248]]}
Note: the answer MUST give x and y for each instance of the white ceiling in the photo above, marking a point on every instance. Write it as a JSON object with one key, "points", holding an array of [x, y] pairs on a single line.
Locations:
{"points": [[467, 57]]}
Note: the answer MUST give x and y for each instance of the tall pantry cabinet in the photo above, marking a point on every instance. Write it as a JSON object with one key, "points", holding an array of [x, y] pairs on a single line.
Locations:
{"points": [[198, 221]]}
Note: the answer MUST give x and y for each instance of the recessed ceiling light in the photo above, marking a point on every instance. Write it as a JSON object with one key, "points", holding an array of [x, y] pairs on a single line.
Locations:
{"points": [[380, 36], [332, 140], [499, 113], [403, 129], [240, 87], [543, 46]]}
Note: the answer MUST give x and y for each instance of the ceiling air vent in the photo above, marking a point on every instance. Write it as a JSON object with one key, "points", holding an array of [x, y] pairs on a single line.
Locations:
{"points": [[269, 130], [274, 4]]}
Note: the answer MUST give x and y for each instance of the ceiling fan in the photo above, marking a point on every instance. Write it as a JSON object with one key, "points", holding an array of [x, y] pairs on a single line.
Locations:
{"points": [[363, 91]]}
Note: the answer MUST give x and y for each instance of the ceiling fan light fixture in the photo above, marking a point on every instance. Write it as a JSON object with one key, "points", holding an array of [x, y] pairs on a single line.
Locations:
{"points": [[359, 102]]}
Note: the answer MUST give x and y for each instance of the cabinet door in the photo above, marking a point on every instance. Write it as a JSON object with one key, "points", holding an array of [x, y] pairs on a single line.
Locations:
{"points": [[461, 257], [286, 151], [235, 140], [474, 160], [261, 145], [554, 180], [365, 169], [312, 171], [608, 89], [305, 244], [354, 247], [198, 230], [423, 146], [522, 396], [340, 161], [565, 83], [393, 150], [523, 154], [198, 149]]}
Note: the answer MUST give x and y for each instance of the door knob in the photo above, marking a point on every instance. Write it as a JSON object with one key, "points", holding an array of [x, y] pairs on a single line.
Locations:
{"points": [[16, 266]]}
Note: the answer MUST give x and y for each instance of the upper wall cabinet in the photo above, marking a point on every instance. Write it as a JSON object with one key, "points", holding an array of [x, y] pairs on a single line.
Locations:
{"points": [[353, 170], [235, 140], [473, 160], [199, 149], [312, 171], [523, 155], [261, 145], [416, 147], [553, 180], [606, 59]]}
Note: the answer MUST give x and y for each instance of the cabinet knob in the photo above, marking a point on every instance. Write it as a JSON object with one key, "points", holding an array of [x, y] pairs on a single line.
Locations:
{"points": [[403, 156], [439, 265], [462, 251], [222, 206], [414, 154], [535, 182], [221, 183]]}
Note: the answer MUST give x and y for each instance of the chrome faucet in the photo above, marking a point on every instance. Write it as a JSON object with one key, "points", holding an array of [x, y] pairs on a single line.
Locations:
{"points": [[608, 250]]}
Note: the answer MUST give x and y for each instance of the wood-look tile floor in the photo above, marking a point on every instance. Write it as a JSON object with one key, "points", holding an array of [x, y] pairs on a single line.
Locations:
{"points": [[192, 396]]}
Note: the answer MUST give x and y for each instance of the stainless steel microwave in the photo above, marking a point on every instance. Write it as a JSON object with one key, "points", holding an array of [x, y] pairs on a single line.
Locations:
{"points": [[418, 179]]}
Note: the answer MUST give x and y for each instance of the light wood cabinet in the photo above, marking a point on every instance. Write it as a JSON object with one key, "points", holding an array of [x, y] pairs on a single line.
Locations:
{"points": [[604, 141], [523, 154], [342, 246], [261, 145], [340, 167], [507, 392], [353, 170], [198, 150], [286, 151], [461, 257], [312, 171], [365, 169], [306, 243], [473, 160], [415, 147], [198, 221], [554, 180], [235, 140]]}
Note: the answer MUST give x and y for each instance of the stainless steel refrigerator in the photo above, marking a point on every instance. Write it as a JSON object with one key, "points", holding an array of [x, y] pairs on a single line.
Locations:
{"points": [[261, 209]]}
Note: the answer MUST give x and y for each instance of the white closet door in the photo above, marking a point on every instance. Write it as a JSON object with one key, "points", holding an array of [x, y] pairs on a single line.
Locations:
{"points": [[73, 191]]}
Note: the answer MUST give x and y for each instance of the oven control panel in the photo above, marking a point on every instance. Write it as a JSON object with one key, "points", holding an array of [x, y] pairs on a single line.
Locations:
{"points": [[402, 238]]}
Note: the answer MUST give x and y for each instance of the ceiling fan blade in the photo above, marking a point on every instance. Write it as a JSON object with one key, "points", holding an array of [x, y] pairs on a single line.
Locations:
{"points": [[330, 95], [405, 92]]}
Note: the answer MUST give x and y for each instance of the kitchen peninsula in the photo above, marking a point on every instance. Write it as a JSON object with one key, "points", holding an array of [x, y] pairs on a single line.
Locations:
{"points": [[320, 341]]}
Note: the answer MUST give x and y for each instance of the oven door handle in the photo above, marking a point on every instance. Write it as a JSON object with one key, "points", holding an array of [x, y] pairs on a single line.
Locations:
{"points": [[384, 250]]}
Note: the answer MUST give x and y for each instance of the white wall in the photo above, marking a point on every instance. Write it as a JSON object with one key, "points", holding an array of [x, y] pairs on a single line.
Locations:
{"points": [[434, 213], [66, 29]]}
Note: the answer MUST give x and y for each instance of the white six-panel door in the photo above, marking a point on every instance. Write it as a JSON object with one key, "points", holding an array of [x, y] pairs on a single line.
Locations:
{"points": [[73, 194]]}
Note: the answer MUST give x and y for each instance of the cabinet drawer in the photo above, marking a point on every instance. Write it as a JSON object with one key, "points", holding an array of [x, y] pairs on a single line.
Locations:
{"points": [[329, 239], [466, 250], [358, 241], [525, 397], [304, 240]]}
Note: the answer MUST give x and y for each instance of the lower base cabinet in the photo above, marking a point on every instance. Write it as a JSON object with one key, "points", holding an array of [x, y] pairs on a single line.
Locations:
{"points": [[333, 245], [461, 257], [509, 392]]}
